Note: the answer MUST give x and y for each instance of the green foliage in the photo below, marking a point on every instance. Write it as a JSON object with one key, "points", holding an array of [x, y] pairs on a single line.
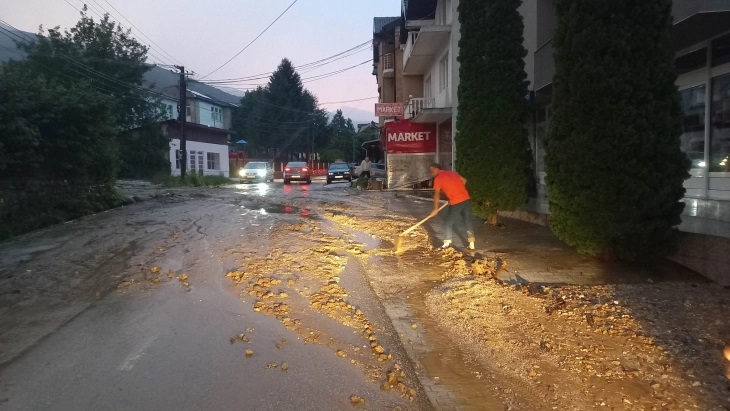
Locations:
{"points": [[492, 149], [53, 131], [108, 59], [281, 118], [614, 167], [144, 152], [342, 136], [331, 155]]}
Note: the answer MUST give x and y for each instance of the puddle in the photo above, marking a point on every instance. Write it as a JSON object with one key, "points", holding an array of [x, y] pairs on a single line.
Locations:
{"points": [[446, 364]]}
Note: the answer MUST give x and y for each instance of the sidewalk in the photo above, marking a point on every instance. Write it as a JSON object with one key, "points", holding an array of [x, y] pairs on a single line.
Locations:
{"points": [[534, 254]]}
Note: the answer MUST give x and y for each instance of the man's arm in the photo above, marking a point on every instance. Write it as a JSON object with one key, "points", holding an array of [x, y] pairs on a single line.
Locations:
{"points": [[463, 180], [436, 201]]}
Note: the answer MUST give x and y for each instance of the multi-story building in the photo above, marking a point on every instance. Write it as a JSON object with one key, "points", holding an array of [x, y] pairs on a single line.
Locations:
{"points": [[424, 75], [208, 114]]}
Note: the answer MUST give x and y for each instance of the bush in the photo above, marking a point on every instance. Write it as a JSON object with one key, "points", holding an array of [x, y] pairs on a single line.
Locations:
{"points": [[614, 166], [492, 148]]}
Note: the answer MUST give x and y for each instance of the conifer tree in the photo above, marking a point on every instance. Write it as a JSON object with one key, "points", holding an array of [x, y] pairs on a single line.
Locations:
{"points": [[614, 166], [492, 149]]}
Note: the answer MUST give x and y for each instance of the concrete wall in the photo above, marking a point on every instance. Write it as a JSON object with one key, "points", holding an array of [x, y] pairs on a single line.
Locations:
{"points": [[205, 148], [706, 254]]}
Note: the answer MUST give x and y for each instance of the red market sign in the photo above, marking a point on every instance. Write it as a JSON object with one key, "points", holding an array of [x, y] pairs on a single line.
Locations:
{"points": [[388, 109], [403, 136]]}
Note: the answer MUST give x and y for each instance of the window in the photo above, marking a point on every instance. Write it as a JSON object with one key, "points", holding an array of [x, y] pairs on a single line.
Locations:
{"points": [[444, 73], [216, 114], [177, 159], [721, 50], [214, 161], [720, 124], [169, 111], [427, 92], [188, 112], [692, 140], [196, 161]]}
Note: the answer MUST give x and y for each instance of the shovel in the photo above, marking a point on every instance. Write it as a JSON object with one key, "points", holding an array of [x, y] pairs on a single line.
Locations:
{"points": [[399, 240]]}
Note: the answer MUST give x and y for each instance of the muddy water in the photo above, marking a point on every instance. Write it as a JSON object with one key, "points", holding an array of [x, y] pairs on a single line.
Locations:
{"points": [[446, 364]]}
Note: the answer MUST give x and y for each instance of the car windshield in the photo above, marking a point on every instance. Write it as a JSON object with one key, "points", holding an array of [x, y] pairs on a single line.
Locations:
{"points": [[255, 166], [339, 166], [297, 164]]}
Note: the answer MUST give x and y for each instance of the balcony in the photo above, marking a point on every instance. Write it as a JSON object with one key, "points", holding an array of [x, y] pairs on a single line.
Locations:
{"points": [[388, 65], [422, 46], [424, 110]]}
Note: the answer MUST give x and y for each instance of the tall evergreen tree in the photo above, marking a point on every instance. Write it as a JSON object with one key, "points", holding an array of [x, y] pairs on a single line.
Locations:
{"points": [[614, 166], [492, 149], [283, 117]]}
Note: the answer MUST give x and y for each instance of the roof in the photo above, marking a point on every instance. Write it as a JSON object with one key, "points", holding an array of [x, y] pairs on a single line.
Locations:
{"points": [[163, 80], [8, 49], [380, 22]]}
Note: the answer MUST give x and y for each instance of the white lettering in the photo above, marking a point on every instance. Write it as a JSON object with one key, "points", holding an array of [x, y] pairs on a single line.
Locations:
{"points": [[410, 137]]}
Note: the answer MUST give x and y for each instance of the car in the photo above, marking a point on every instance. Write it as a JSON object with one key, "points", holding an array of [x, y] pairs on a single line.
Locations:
{"points": [[376, 170], [297, 170], [256, 171], [338, 172]]}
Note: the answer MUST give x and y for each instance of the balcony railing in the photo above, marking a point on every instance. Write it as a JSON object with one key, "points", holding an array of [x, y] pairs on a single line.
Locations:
{"points": [[412, 37], [388, 64], [416, 105]]}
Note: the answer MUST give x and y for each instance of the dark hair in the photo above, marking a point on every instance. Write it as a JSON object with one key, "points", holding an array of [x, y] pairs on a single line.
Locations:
{"points": [[435, 165]]}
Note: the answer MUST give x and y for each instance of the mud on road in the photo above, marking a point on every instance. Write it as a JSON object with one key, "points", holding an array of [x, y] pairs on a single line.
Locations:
{"points": [[323, 267]]}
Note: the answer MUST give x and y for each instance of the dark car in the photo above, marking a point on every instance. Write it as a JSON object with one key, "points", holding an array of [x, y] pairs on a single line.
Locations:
{"points": [[297, 170], [338, 172]]}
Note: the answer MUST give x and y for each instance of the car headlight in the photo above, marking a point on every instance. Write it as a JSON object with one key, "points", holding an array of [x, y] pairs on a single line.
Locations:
{"points": [[261, 173], [331, 174], [241, 172]]}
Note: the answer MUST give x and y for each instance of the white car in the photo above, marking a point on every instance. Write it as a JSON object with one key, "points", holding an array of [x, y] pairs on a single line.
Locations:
{"points": [[256, 171], [376, 170]]}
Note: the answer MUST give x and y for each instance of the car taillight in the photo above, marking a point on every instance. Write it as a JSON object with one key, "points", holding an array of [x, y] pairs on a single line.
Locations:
{"points": [[304, 169], [287, 169]]}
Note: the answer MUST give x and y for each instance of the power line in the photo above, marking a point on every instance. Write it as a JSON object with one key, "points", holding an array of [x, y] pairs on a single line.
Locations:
{"points": [[349, 101], [300, 67], [252, 41], [141, 32]]}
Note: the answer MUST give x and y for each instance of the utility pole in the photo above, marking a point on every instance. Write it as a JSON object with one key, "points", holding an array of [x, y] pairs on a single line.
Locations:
{"points": [[183, 118]]}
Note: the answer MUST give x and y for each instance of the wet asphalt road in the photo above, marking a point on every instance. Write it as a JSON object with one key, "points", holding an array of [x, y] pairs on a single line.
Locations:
{"points": [[74, 341]]}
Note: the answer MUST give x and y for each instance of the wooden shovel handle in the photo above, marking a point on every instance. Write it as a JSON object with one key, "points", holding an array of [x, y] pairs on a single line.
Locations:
{"points": [[422, 221]]}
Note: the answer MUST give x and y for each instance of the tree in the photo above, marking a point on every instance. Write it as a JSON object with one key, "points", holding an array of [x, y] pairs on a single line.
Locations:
{"points": [[614, 165], [282, 117], [342, 134], [492, 149], [107, 58]]}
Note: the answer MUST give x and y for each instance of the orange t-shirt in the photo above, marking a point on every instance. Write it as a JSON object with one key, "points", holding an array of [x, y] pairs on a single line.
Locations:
{"points": [[449, 183]]}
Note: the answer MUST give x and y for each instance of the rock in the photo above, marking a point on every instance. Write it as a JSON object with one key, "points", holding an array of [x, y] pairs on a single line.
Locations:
{"points": [[285, 367], [355, 400], [341, 353], [249, 353]]}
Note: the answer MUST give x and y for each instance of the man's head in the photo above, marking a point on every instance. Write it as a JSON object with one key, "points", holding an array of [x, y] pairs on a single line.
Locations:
{"points": [[435, 168], [367, 158]]}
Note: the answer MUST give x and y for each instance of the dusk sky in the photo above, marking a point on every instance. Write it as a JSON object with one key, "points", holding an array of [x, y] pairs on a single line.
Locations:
{"points": [[203, 35]]}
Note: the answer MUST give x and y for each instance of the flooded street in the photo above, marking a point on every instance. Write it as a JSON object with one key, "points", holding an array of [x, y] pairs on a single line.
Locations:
{"points": [[271, 296], [248, 297]]}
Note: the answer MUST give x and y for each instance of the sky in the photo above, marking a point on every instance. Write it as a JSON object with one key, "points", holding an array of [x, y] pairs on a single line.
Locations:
{"points": [[202, 35]]}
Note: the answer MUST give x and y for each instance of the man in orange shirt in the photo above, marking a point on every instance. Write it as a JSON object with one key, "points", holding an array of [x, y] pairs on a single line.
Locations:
{"points": [[454, 187]]}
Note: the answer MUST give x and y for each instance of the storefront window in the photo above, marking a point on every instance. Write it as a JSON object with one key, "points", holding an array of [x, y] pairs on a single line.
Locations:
{"points": [[720, 121], [693, 124], [691, 61]]}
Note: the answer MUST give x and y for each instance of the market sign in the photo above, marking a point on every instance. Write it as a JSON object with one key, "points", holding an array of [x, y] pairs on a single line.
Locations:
{"points": [[388, 109], [404, 136]]}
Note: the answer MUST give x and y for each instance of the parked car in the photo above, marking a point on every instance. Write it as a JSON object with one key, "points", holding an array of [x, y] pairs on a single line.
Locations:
{"points": [[256, 171], [297, 170], [338, 172], [376, 170]]}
